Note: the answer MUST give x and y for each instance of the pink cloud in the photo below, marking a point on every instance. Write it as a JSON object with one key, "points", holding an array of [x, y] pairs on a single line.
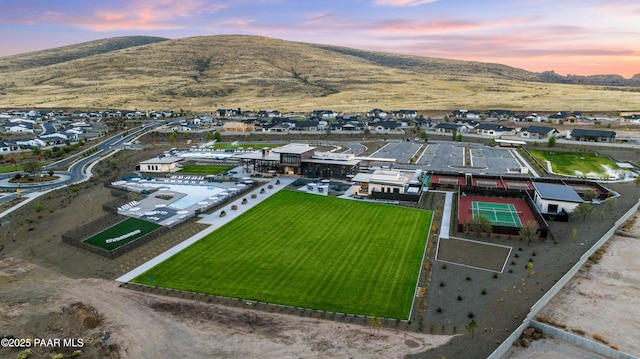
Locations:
{"points": [[135, 15], [319, 18], [402, 2]]}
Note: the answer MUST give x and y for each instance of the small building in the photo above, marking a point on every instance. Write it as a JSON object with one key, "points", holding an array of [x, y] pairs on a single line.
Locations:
{"points": [[390, 185], [555, 199], [161, 164]]}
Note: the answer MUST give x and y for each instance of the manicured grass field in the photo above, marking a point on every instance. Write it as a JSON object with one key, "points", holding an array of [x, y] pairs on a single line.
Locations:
{"points": [[123, 228], [308, 251], [567, 163], [204, 170]]}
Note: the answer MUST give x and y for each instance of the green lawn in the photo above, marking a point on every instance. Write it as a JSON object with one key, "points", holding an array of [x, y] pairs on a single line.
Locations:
{"points": [[123, 228], [204, 170], [308, 251], [567, 163]]}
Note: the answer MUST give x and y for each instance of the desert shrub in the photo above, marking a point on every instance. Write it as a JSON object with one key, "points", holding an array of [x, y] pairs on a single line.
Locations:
{"points": [[600, 338]]}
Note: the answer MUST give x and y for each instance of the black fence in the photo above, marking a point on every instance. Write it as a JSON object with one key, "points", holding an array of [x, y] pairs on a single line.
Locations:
{"points": [[543, 226]]}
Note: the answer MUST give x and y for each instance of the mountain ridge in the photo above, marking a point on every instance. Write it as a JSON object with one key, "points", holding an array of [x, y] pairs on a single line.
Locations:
{"points": [[243, 70]]}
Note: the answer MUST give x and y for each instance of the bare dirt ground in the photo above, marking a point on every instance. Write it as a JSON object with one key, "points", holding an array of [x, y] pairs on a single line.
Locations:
{"points": [[603, 298], [49, 289], [41, 303]]}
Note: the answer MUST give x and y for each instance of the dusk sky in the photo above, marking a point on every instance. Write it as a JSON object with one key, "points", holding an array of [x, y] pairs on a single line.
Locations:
{"points": [[581, 37]]}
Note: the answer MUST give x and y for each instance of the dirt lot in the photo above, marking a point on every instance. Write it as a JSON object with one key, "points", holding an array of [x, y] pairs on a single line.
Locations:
{"points": [[603, 298], [42, 303]]}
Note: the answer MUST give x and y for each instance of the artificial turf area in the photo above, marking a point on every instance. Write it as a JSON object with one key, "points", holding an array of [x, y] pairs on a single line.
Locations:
{"points": [[123, 229], [567, 163], [204, 170], [308, 251]]}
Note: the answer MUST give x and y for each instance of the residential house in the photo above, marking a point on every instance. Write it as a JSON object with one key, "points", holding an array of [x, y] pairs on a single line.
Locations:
{"points": [[538, 132], [307, 125], [54, 138], [377, 113], [501, 114], [27, 143], [451, 127], [494, 129], [386, 126], [468, 114], [269, 113], [324, 114], [8, 146], [228, 112], [405, 114], [591, 135], [277, 127], [531, 117]]}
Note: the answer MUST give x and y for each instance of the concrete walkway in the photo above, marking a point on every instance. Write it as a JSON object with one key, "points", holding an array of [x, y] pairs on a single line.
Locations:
{"points": [[214, 221], [446, 215]]}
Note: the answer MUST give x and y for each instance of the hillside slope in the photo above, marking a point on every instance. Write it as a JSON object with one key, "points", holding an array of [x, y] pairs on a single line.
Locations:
{"points": [[204, 73], [72, 52]]}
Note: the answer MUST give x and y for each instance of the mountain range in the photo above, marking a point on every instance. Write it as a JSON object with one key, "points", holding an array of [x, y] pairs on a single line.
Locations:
{"points": [[203, 73]]}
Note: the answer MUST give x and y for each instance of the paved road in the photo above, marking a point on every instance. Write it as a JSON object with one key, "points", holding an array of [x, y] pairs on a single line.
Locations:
{"points": [[78, 165]]}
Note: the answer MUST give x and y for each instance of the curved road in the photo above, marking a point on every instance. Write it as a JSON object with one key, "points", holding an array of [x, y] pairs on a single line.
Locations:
{"points": [[78, 165]]}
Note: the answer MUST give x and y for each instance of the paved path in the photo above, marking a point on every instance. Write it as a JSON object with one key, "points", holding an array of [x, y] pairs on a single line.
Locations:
{"points": [[215, 222], [446, 215]]}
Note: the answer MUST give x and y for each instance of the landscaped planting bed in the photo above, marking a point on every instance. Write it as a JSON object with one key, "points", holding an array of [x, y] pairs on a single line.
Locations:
{"points": [[308, 251]]}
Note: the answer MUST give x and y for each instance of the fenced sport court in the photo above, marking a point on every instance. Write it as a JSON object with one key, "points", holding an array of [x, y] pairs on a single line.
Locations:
{"points": [[499, 214]]}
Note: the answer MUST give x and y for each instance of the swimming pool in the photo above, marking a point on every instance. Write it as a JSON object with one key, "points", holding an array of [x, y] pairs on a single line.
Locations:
{"points": [[194, 194]]}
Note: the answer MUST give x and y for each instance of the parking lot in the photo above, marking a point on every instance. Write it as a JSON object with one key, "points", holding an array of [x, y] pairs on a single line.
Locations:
{"points": [[451, 156], [402, 152]]}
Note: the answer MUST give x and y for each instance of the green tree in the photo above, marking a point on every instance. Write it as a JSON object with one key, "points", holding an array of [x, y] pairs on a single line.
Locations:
{"points": [[459, 138], [173, 136], [217, 136], [423, 135], [454, 135], [471, 327], [583, 210], [35, 151], [208, 136], [32, 167], [375, 323], [590, 195], [529, 231], [552, 141], [478, 224], [637, 181], [38, 206], [185, 134]]}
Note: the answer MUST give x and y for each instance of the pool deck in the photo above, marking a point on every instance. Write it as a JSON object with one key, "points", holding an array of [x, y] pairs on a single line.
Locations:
{"points": [[214, 221]]}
